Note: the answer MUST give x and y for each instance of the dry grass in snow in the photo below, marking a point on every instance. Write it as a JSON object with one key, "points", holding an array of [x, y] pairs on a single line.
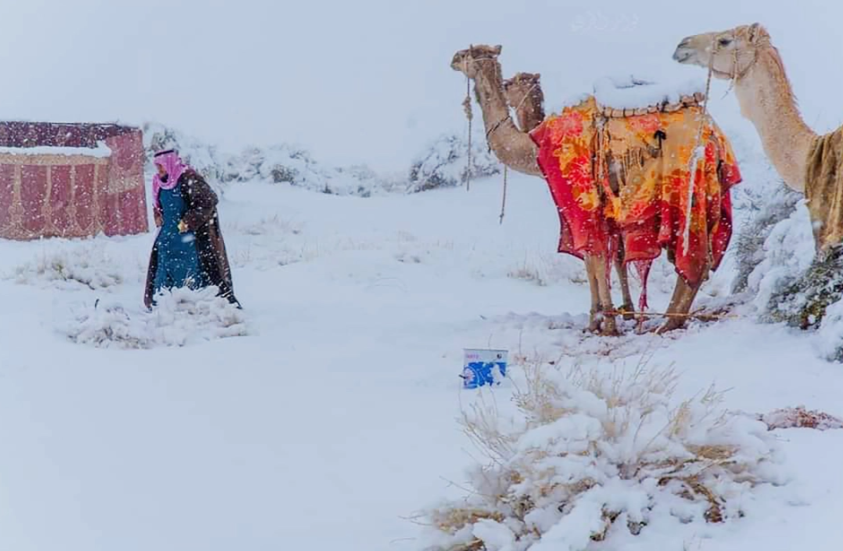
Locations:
{"points": [[69, 267], [587, 455], [545, 270]]}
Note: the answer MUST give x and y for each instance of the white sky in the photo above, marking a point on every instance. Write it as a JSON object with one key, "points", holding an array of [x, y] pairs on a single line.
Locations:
{"points": [[366, 80]]}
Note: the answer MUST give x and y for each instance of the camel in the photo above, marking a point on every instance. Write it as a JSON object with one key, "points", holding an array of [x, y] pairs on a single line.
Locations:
{"points": [[515, 148], [808, 163], [524, 95]]}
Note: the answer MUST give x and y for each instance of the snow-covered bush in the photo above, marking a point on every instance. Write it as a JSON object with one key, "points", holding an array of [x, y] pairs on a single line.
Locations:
{"points": [[72, 268], [284, 163], [295, 166], [788, 253], [777, 267], [593, 456], [779, 205], [813, 300], [181, 317], [202, 156], [444, 164], [829, 338], [802, 300]]}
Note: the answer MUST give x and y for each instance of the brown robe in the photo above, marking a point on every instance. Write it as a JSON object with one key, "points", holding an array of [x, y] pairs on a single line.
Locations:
{"points": [[201, 218]]}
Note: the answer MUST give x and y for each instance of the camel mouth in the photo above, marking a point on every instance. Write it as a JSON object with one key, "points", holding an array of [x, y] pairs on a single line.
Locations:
{"points": [[683, 55], [457, 62]]}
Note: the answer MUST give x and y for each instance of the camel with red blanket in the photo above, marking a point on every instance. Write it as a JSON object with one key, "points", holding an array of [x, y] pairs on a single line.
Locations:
{"points": [[621, 180]]}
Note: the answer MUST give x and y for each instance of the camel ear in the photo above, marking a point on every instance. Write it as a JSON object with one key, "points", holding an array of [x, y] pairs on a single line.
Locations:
{"points": [[497, 49]]}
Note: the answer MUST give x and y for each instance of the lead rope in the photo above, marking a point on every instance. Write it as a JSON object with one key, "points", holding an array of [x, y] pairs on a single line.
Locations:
{"points": [[466, 105], [503, 201], [695, 157]]}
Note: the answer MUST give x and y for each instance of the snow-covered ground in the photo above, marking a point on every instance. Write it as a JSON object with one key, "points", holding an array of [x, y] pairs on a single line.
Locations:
{"points": [[325, 415], [326, 418]]}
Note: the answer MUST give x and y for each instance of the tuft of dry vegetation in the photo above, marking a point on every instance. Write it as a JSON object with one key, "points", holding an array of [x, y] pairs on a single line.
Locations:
{"points": [[585, 450]]}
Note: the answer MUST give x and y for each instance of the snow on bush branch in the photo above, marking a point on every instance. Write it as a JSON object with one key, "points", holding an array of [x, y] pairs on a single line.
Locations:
{"points": [[180, 318], [442, 164], [593, 456]]}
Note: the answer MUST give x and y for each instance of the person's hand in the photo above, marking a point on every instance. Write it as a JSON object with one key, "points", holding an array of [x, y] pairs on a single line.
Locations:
{"points": [[159, 220], [182, 226]]}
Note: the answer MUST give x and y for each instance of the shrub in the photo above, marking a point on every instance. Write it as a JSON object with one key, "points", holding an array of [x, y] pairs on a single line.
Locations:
{"points": [[587, 453]]}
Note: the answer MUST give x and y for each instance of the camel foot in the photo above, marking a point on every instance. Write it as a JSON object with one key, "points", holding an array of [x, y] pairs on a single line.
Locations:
{"points": [[610, 328], [629, 312], [606, 332], [594, 319], [671, 325]]}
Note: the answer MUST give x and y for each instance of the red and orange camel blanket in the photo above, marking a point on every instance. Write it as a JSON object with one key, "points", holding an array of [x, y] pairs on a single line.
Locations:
{"points": [[627, 178]]}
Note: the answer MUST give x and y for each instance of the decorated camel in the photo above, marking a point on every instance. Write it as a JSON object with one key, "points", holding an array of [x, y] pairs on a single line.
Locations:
{"points": [[524, 95], [807, 162], [620, 179]]}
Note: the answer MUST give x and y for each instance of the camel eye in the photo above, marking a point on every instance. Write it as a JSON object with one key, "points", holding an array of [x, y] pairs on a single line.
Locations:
{"points": [[724, 41]]}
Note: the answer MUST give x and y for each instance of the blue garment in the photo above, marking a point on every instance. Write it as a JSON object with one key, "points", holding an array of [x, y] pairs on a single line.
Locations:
{"points": [[178, 260]]}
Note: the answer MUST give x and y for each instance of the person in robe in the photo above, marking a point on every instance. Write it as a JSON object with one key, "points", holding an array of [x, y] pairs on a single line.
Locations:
{"points": [[189, 250]]}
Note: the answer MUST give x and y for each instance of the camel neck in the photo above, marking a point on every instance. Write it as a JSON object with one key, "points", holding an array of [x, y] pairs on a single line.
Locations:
{"points": [[766, 99]]}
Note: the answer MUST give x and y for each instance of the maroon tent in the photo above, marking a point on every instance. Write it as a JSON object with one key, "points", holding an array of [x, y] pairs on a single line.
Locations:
{"points": [[71, 180]]}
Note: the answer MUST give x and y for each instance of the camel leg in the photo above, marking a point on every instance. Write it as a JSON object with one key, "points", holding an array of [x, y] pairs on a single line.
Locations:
{"points": [[623, 276], [596, 308], [681, 302], [680, 291], [610, 328]]}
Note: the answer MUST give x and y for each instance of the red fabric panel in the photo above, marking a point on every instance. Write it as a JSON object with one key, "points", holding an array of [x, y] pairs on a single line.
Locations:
{"points": [[106, 214], [126, 171], [7, 194], [60, 199], [582, 230], [132, 219], [110, 220], [32, 193], [84, 198]]}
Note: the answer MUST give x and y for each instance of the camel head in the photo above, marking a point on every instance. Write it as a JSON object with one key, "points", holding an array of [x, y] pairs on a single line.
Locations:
{"points": [[519, 86], [730, 53], [469, 61]]}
